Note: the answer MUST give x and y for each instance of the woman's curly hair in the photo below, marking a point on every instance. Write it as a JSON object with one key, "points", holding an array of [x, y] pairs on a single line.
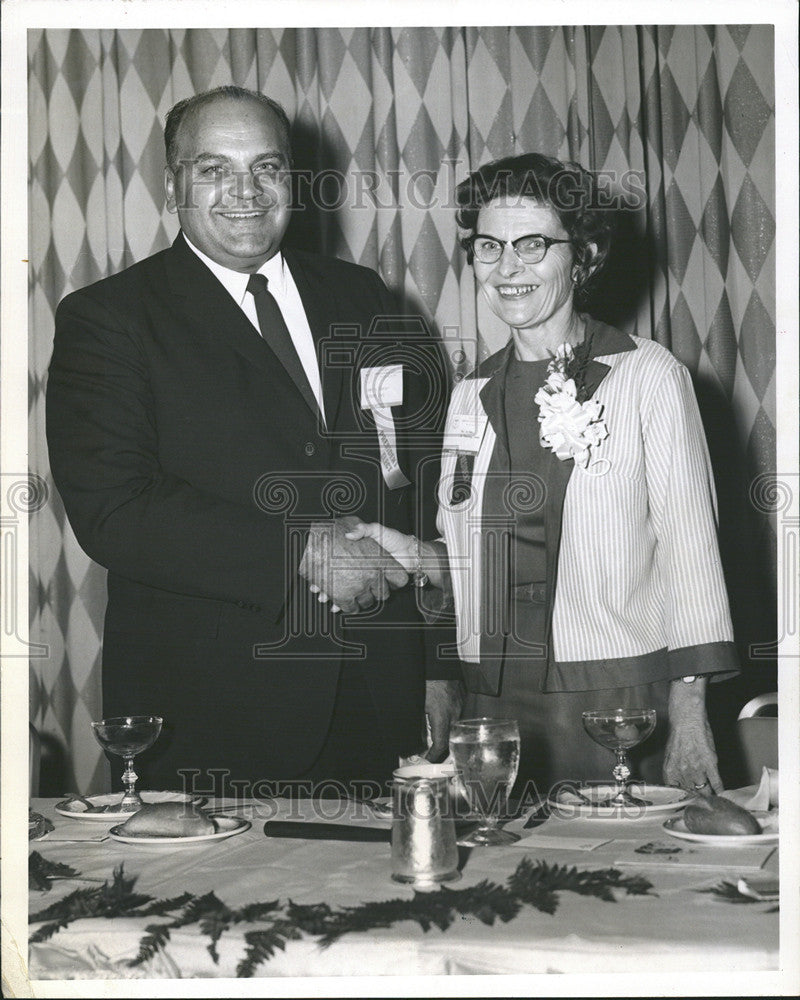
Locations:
{"points": [[567, 188]]}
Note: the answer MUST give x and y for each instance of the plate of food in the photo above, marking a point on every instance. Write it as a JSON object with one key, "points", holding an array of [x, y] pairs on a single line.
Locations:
{"points": [[714, 819], [176, 823], [104, 808], [589, 801]]}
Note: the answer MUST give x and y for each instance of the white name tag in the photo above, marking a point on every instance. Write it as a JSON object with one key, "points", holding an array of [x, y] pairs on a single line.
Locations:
{"points": [[467, 419], [381, 387], [465, 432]]}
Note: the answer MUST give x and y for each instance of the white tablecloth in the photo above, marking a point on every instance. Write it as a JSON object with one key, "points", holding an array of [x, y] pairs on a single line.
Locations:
{"points": [[677, 930]]}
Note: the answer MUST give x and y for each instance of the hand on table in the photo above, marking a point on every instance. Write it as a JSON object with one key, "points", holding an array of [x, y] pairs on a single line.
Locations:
{"points": [[443, 703], [690, 760], [353, 573]]}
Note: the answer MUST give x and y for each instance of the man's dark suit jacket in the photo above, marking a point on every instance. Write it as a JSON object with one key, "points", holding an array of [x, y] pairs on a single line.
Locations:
{"points": [[190, 465]]}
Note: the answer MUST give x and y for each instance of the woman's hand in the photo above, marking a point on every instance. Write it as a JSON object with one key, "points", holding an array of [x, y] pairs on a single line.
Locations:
{"points": [[429, 558], [690, 760], [401, 547]]}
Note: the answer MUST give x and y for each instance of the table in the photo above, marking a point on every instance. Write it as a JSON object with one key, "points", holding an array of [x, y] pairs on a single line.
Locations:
{"points": [[679, 929]]}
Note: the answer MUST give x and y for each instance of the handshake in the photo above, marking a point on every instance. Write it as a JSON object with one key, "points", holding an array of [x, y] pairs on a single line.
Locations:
{"points": [[354, 564]]}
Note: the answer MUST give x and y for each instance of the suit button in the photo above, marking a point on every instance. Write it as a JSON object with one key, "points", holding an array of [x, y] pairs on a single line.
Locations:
{"points": [[309, 449]]}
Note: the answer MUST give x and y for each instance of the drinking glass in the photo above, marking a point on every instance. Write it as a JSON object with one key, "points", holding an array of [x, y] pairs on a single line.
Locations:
{"points": [[126, 736], [620, 729], [486, 755]]}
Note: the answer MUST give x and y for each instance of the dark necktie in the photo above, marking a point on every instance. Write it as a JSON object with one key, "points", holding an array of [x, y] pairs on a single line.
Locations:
{"points": [[276, 334]]}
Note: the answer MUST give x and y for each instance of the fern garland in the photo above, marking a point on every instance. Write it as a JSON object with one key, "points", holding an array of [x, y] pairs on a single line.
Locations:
{"points": [[731, 893], [531, 884], [41, 872]]}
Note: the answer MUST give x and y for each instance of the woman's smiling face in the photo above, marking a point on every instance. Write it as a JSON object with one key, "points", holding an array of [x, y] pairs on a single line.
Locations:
{"points": [[525, 295]]}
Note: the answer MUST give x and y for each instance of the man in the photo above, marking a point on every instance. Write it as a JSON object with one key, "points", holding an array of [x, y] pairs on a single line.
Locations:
{"points": [[196, 430]]}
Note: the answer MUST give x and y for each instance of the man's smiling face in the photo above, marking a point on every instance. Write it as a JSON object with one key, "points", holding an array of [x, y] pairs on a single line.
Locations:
{"points": [[230, 184]]}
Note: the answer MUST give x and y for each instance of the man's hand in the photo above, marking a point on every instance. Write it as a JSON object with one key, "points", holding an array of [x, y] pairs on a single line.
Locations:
{"points": [[690, 760], [352, 573], [443, 703]]}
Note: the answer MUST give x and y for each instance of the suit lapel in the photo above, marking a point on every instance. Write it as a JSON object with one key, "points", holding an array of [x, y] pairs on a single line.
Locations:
{"points": [[492, 394], [606, 340], [594, 374], [311, 284], [213, 312], [558, 476]]}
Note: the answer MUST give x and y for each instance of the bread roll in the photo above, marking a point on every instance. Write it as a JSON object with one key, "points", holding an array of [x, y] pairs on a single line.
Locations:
{"points": [[717, 815], [168, 819]]}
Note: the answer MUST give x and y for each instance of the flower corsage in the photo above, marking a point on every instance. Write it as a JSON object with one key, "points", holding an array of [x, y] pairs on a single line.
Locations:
{"points": [[570, 424]]}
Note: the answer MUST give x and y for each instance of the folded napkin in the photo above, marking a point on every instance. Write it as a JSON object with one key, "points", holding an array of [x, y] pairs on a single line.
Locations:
{"points": [[535, 841], [757, 798], [76, 836], [669, 853]]}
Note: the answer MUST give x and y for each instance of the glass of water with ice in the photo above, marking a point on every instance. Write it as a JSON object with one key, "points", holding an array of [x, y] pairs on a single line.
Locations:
{"points": [[486, 756]]}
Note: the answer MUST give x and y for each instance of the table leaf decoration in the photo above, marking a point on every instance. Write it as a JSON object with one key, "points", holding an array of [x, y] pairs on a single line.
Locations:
{"points": [[262, 945], [41, 872], [531, 884], [731, 893]]}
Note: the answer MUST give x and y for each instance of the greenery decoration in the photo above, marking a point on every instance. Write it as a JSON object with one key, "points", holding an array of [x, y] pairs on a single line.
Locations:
{"points": [[531, 884], [731, 893], [41, 872]]}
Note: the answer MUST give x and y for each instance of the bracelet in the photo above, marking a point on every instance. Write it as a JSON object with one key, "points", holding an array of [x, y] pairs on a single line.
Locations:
{"points": [[420, 578]]}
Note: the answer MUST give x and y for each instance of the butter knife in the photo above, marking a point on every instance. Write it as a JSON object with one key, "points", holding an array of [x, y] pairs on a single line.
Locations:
{"points": [[326, 831]]}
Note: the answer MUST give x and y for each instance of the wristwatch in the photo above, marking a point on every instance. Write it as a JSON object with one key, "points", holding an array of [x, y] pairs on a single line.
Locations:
{"points": [[689, 679]]}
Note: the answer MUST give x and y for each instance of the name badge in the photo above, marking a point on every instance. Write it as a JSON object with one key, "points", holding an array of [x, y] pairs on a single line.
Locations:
{"points": [[465, 432], [466, 422], [381, 389]]}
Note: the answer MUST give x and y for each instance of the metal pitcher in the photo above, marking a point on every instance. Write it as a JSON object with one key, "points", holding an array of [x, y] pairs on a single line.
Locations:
{"points": [[424, 850]]}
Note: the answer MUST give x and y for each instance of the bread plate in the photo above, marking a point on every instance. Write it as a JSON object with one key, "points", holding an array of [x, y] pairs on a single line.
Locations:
{"points": [[227, 826], [75, 809], [676, 827]]}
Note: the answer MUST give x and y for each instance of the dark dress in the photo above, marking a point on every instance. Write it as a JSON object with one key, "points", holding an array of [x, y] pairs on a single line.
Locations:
{"points": [[554, 746]]}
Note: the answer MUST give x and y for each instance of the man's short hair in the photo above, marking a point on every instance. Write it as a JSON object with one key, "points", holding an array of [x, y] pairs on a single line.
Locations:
{"points": [[179, 111]]}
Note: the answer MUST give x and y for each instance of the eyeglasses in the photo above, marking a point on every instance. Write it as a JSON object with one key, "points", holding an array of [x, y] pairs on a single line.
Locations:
{"points": [[530, 249]]}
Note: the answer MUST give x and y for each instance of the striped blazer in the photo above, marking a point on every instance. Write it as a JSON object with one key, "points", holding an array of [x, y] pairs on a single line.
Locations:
{"points": [[634, 589]]}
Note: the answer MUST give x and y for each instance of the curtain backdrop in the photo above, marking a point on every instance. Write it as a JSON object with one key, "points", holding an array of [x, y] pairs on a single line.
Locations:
{"points": [[678, 120]]}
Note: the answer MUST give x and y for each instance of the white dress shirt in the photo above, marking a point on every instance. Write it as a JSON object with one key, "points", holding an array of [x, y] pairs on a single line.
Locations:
{"points": [[284, 290]]}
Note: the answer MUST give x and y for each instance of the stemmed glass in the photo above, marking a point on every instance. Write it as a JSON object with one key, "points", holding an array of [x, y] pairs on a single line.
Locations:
{"points": [[620, 729], [486, 755], [126, 736]]}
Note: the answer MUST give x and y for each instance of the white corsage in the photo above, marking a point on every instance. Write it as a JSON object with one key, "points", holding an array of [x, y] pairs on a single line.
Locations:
{"points": [[569, 426]]}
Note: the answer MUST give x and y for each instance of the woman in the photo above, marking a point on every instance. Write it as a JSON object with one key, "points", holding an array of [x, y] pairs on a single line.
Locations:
{"points": [[576, 502]]}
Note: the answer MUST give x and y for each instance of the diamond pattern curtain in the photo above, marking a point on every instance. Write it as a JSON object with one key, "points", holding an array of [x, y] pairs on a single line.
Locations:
{"points": [[387, 121]]}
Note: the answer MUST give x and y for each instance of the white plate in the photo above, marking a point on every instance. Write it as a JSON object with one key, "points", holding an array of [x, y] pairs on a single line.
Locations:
{"points": [[662, 799], [227, 826], [676, 827], [74, 809]]}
